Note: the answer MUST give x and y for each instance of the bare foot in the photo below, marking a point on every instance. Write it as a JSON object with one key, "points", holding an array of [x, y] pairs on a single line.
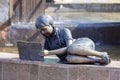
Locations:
{"points": [[105, 58]]}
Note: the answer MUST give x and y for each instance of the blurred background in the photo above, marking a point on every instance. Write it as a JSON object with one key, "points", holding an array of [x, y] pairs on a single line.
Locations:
{"points": [[96, 19]]}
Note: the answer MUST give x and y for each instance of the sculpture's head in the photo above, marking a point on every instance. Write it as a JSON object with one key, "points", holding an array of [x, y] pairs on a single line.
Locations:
{"points": [[44, 24]]}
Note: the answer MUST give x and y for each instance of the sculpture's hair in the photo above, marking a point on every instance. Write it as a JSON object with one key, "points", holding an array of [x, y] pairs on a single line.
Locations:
{"points": [[44, 20]]}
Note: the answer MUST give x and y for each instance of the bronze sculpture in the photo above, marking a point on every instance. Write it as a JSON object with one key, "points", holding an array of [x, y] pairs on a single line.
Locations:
{"points": [[59, 41]]}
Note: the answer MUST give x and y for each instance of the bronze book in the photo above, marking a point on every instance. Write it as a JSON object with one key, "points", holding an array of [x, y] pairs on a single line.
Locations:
{"points": [[30, 50]]}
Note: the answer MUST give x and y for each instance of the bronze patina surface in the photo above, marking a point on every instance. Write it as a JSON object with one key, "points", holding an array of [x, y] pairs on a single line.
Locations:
{"points": [[30, 50]]}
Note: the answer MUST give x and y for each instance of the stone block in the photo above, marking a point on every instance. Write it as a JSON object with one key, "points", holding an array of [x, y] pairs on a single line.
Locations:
{"points": [[12, 71], [73, 73], [1, 71], [34, 72], [115, 75], [53, 73], [93, 74]]}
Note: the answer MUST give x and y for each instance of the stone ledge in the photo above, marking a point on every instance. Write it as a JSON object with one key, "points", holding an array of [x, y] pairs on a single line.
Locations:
{"points": [[14, 69], [82, 7], [101, 32]]}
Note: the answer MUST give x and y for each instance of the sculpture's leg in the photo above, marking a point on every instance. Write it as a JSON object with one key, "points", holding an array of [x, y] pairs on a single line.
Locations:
{"points": [[83, 47], [81, 59]]}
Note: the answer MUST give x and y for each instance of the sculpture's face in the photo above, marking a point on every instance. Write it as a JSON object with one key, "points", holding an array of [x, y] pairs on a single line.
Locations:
{"points": [[46, 30]]}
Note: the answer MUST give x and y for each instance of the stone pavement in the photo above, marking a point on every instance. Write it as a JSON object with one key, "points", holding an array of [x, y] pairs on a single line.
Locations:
{"points": [[8, 55]]}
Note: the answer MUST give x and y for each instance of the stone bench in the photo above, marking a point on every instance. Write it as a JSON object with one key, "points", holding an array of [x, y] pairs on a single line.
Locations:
{"points": [[15, 69]]}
